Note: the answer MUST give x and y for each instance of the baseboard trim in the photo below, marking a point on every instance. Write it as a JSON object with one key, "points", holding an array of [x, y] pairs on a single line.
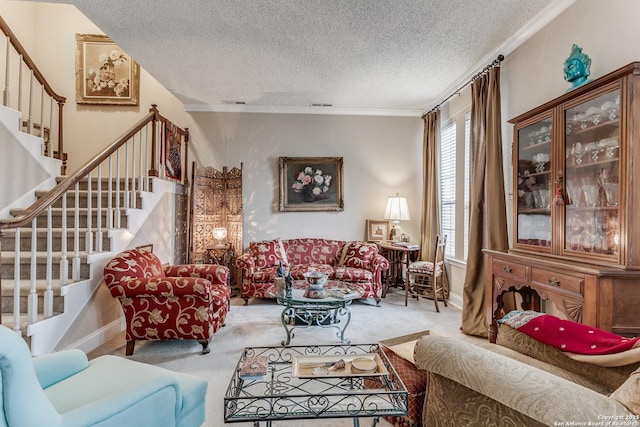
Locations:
{"points": [[98, 338], [455, 300]]}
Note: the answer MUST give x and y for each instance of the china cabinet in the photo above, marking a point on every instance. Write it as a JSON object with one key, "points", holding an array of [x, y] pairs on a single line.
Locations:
{"points": [[574, 241]]}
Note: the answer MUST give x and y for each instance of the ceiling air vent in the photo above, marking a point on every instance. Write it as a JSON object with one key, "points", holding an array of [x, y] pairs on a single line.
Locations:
{"points": [[322, 105]]}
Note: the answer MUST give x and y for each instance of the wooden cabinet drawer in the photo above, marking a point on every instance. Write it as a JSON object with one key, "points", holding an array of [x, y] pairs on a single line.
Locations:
{"points": [[557, 280], [510, 269]]}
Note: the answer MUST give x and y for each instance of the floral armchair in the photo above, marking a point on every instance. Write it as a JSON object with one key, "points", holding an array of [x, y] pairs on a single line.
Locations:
{"points": [[172, 302]]}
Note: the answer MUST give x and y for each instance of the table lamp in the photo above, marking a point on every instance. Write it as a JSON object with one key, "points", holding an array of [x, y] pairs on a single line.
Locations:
{"points": [[219, 233], [397, 210]]}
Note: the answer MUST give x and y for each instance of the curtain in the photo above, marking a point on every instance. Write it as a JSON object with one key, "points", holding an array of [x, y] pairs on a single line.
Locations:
{"points": [[430, 224], [488, 216]]}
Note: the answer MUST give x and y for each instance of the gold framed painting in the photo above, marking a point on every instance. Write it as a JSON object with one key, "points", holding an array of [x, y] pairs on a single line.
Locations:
{"points": [[148, 247], [378, 230], [105, 74], [311, 184]]}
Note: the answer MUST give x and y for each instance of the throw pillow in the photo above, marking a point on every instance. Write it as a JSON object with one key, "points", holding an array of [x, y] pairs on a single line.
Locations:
{"points": [[268, 253], [627, 393], [358, 254]]}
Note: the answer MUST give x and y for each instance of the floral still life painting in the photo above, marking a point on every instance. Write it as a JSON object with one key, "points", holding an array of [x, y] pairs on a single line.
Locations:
{"points": [[105, 74], [311, 184]]}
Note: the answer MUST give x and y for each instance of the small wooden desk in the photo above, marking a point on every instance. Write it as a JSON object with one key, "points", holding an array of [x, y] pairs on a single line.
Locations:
{"points": [[220, 254], [398, 257]]}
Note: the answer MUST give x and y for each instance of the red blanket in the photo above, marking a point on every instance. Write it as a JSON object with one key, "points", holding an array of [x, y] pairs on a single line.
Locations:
{"points": [[567, 335]]}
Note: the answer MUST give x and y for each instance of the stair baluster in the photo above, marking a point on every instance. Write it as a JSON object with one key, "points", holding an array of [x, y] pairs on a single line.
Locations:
{"points": [[64, 262], [48, 293], [89, 233], [75, 263], [16, 284], [32, 300], [99, 217]]}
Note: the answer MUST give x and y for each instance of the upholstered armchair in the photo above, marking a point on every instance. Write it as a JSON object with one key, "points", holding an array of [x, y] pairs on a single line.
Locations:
{"points": [[64, 389], [171, 302]]}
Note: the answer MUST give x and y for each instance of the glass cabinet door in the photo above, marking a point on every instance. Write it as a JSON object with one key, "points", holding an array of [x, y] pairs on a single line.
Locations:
{"points": [[533, 205], [592, 143]]}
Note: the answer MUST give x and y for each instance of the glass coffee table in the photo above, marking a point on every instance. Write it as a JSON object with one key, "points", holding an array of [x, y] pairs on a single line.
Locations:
{"points": [[293, 388], [329, 312]]}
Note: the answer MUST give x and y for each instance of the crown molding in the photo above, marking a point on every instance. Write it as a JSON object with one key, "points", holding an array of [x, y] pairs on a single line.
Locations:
{"points": [[547, 15], [247, 108]]}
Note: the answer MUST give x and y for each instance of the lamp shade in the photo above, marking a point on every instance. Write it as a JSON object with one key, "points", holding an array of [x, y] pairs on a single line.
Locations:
{"points": [[219, 233], [397, 209]]}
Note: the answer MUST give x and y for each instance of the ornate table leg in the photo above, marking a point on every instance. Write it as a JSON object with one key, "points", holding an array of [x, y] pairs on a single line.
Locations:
{"points": [[288, 313], [344, 311]]}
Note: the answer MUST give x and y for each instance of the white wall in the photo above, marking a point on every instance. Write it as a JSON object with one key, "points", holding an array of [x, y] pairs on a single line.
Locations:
{"points": [[48, 33], [382, 156], [533, 74]]}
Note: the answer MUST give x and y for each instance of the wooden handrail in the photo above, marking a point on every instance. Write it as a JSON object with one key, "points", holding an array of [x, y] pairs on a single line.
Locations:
{"points": [[41, 204], [27, 59], [60, 100]]}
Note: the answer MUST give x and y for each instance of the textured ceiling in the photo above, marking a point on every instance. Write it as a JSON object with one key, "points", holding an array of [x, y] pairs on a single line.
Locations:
{"points": [[392, 55]]}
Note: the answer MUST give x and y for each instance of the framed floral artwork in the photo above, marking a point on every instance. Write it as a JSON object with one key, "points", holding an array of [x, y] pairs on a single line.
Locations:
{"points": [[105, 74], [378, 230], [309, 184]]}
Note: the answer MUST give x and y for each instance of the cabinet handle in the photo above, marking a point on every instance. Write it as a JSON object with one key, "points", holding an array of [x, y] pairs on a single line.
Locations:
{"points": [[506, 269], [553, 281]]}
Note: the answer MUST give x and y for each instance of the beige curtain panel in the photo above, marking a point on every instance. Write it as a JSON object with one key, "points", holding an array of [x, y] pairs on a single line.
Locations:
{"points": [[488, 216], [430, 224]]}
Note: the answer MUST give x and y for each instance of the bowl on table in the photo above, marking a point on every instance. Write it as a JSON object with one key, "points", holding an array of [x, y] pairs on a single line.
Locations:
{"points": [[315, 278], [316, 281]]}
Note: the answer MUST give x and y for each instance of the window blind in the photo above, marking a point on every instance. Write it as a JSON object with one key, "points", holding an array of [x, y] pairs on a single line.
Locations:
{"points": [[448, 186], [467, 181]]}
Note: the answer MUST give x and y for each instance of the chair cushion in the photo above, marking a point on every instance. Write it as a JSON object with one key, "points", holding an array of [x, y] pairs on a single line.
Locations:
{"points": [[312, 251], [112, 386], [352, 274], [297, 271], [424, 267], [268, 253], [132, 264], [358, 254]]}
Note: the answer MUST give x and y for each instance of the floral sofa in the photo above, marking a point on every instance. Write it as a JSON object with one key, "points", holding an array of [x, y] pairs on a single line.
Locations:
{"points": [[522, 382], [356, 262]]}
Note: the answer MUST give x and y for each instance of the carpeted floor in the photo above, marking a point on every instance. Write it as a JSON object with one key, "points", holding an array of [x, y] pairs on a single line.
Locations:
{"points": [[258, 324]]}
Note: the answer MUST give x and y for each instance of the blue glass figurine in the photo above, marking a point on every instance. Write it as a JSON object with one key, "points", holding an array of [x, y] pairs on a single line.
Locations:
{"points": [[577, 68]]}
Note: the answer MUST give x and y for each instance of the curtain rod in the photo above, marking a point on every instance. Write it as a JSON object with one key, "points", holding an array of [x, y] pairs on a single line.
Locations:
{"points": [[496, 62]]}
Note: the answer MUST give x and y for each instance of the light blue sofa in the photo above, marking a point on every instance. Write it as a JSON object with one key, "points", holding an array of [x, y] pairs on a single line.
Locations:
{"points": [[64, 389]]}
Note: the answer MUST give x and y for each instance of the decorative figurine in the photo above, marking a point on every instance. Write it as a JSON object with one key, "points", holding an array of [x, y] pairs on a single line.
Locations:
{"points": [[280, 270], [288, 286], [577, 68]]}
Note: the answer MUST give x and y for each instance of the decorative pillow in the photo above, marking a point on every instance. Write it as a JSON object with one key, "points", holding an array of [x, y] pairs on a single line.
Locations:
{"points": [[268, 253], [358, 254], [627, 393]]}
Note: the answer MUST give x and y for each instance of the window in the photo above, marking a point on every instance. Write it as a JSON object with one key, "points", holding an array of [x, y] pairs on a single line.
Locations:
{"points": [[455, 154], [448, 186], [467, 181]]}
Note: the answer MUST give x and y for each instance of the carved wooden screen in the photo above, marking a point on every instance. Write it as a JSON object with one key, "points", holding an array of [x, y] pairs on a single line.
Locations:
{"points": [[216, 201]]}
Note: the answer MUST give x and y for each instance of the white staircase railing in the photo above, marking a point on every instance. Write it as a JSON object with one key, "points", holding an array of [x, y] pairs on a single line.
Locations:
{"points": [[118, 169], [27, 91]]}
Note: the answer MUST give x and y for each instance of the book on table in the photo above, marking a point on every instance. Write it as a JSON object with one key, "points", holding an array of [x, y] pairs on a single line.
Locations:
{"points": [[343, 293], [254, 367], [407, 245]]}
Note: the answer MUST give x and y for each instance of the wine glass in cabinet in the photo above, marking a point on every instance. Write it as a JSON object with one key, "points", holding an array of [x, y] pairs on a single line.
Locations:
{"points": [[592, 176]]}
